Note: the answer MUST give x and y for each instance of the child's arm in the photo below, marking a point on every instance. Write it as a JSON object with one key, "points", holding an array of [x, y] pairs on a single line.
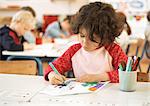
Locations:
{"points": [[63, 63], [28, 46], [53, 32], [94, 77], [117, 55]]}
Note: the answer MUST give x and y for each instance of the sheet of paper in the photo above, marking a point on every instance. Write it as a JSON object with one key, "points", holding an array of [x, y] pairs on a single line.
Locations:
{"points": [[73, 88]]}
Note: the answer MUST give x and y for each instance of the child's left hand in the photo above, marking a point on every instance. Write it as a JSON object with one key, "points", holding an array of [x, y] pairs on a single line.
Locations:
{"points": [[28, 46], [89, 78], [94, 77]]}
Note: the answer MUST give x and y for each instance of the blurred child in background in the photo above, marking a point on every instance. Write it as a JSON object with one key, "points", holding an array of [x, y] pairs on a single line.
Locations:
{"points": [[29, 36], [125, 31], [147, 35], [59, 29], [22, 22]]}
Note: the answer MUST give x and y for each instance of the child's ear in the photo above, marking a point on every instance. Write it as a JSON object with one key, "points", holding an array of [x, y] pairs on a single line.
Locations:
{"points": [[18, 21]]}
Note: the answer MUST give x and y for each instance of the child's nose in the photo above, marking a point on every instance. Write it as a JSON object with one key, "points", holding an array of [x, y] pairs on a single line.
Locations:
{"points": [[86, 41]]}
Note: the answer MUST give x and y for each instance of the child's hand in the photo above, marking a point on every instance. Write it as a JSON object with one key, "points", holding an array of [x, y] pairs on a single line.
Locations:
{"points": [[28, 46], [89, 78], [94, 77], [55, 78]]}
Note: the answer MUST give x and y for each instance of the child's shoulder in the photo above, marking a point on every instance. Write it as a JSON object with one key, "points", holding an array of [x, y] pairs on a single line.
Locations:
{"points": [[8, 32], [54, 24], [75, 47], [72, 50], [114, 48], [4, 29]]}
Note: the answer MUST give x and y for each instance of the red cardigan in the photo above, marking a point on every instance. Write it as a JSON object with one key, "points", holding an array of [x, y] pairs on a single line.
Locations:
{"points": [[64, 63]]}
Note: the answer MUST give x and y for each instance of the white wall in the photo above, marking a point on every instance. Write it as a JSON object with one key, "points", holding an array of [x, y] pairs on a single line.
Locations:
{"points": [[148, 5], [53, 7]]}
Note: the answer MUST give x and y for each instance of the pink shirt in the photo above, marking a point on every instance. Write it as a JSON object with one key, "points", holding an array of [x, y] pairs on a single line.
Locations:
{"points": [[95, 62]]}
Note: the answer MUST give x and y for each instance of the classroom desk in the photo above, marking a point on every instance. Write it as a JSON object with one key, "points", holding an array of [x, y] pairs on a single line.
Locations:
{"points": [[38, 51], [45, 50], [23, 90]]}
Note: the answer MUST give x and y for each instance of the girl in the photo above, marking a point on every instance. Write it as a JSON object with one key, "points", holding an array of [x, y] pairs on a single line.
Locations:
{"points": [[97, 57], [125, 31]]}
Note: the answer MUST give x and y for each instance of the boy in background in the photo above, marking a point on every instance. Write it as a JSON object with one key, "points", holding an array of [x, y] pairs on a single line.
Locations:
{"points": [[22, 22], [29, 36]]}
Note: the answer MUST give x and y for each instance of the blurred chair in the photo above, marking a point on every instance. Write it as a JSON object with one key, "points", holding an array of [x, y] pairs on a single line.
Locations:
{"points": [[27, 67], [144, 53], [5, 20], [140, 49], [136, 48], [144, 65], [131, 49], [37, 60]]}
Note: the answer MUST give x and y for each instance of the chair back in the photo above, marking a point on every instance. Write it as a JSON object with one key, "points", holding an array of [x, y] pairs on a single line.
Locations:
{"points": [[27, 67], [140, 49]]}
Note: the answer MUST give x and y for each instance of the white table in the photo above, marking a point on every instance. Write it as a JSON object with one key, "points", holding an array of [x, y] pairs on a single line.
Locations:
{"points": [[23, 90], [45, 50]]}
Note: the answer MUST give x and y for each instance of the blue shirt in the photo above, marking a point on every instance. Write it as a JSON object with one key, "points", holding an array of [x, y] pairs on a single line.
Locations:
{"points": [[29, 37], [54, 30]]}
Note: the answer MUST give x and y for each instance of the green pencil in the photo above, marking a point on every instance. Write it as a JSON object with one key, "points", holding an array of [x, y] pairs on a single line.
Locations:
{"points": [[53, 67], [56, 71]]}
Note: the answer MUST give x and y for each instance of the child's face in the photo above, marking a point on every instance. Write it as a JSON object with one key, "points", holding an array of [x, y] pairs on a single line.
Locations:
{"points": [[66, 25], [85, 41], [21, 28]]}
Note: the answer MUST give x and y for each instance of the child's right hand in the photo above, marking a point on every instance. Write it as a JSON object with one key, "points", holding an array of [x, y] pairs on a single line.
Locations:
{"points": [[28, 46], [56, 79]]}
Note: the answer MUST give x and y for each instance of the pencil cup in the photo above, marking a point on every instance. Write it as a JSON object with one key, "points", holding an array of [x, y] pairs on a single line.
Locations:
{"points": [[127, 81]]}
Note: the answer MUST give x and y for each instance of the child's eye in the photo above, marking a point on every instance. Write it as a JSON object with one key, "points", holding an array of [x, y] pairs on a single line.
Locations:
{"points": [[96, 41], [25, 29], [82, 36]]}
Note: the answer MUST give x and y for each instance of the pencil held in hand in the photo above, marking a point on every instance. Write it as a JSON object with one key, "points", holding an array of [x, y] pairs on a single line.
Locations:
{"points": [[28, 46], [56, 79]]}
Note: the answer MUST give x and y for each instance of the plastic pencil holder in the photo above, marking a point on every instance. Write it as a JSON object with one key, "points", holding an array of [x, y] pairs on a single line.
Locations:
{"points": [[127, 80]]}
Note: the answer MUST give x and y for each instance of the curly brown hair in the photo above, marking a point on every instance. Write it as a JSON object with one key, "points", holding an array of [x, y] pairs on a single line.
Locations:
{"points": [[97, 18]]}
